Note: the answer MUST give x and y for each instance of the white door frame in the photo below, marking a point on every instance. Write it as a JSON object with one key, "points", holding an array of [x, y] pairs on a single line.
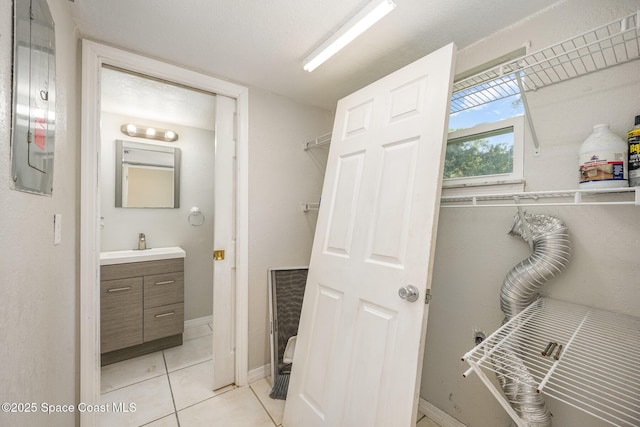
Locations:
{"points": [[94, 56]]}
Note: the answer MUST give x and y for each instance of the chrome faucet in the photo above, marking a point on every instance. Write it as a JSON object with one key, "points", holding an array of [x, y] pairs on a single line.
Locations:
{"points": [[142, 242]]}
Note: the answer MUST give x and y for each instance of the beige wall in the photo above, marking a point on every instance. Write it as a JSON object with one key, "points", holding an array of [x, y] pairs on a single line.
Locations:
{"points": [[474, 252], [39, 353], [281, 177]]}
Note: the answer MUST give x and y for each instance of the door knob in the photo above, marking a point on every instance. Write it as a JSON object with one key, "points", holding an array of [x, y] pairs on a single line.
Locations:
{"points": [[409, 293]]}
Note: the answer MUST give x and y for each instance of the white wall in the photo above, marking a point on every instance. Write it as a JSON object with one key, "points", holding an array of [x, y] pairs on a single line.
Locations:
{"points": [[39, 281], [281, 177], [474, 252], [166, 227]]}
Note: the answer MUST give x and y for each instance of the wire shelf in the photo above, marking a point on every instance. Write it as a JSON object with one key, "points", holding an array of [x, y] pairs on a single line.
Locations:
{"points": [[611, 44], [595, 371], [607, 196]]}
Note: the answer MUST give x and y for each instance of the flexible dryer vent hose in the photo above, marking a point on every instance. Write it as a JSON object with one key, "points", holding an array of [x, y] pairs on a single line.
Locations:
{"points": [[551, 254]]}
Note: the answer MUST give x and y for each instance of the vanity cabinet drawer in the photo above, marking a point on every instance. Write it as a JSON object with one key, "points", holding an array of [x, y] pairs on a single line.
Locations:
{"points": [[163, 289], [138, 269], [163, 321], [121, 313]]}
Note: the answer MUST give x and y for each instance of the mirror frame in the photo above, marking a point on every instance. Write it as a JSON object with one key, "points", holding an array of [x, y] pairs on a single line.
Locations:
{"points": [[176, 174]]}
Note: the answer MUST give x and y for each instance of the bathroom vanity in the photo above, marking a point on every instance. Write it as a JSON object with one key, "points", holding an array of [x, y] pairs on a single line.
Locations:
{"points": [[141, 302]]}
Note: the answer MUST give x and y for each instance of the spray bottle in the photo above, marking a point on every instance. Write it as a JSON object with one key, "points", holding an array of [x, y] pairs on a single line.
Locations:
{"points": [[633, 137]]}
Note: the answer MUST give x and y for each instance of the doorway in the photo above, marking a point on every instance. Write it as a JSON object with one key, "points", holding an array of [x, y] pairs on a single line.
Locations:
{"points": [[95, 57]]}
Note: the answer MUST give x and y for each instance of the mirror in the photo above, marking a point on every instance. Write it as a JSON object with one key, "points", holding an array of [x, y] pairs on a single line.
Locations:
{"points": [[147, 175]]}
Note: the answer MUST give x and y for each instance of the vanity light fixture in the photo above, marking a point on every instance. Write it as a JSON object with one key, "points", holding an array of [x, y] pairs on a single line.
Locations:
{"points": [[149, 132], [357, 25]]}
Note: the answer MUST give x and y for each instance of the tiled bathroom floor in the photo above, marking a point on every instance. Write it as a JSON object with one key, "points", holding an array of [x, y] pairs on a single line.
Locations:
{"points": [[172, 388]]}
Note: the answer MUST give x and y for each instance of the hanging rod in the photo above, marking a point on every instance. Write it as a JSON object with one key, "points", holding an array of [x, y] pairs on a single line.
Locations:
{"points": [[318, 142], [544, 198]]}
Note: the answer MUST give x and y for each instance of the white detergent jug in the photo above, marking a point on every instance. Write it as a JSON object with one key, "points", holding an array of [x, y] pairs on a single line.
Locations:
{"points": [[603, 160]]}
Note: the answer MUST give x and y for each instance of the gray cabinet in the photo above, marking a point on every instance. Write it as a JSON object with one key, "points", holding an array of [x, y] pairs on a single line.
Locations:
{"points": [[141, 308], [120, 313]]}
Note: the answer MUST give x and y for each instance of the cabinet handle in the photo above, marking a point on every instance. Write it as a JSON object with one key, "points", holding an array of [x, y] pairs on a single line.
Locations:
{"points": [[165, 314], [166, 282], [126, 288]]}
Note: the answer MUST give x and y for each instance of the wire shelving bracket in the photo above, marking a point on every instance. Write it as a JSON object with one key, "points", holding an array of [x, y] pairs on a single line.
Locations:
{"points": [[306, 207], [324, 139]]}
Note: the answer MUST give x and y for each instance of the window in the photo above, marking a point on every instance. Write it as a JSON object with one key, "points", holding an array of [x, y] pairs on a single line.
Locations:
{"points": [[486, 129], [489, 153]]}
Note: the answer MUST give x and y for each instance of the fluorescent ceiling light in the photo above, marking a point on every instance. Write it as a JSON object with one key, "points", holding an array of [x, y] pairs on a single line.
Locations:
{"points": [[357, 25]]}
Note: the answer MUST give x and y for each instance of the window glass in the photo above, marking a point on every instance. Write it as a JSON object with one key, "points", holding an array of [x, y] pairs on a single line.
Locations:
{"points": [[485, 134], [488, 153]]}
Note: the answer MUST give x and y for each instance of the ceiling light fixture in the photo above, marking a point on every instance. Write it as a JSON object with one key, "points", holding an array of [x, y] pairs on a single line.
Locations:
{"points": [[149, 132], [357, 25]]}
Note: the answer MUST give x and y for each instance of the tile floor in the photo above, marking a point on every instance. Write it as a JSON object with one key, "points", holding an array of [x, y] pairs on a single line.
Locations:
{"points": [[172, 388]]}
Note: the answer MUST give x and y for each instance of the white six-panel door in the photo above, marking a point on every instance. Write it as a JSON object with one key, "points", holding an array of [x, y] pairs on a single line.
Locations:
{"points": [[360, 346]]}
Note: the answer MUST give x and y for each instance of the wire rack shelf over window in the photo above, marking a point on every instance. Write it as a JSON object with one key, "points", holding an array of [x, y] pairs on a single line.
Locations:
{"points": [[595, 370], [611, 44]]}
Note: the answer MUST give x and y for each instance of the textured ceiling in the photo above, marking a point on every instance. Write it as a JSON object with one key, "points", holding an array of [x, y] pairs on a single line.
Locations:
{"points": [[262, 43], [147, 99]]}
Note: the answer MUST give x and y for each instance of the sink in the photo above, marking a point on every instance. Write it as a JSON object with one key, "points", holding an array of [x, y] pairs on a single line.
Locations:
{"points": [[134, 255]]}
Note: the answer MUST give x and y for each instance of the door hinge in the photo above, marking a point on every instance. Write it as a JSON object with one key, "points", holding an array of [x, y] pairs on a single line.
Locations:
{"points": [[427, 296]]}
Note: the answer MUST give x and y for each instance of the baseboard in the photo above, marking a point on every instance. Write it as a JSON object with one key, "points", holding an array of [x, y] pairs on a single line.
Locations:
{"points": [[438, 415], [259, 373], [192, 323]]}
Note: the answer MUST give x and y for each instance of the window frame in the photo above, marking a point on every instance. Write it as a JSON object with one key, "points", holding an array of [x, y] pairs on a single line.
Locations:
{"points": [[516, 176]]}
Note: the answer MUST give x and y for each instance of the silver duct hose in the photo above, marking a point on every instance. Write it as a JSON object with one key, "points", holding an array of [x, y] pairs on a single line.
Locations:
{"points": [[551, 254]]}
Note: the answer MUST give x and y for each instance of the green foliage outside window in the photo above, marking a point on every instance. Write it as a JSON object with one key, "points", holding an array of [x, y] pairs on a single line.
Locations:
{"points": [[478, 157]]}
